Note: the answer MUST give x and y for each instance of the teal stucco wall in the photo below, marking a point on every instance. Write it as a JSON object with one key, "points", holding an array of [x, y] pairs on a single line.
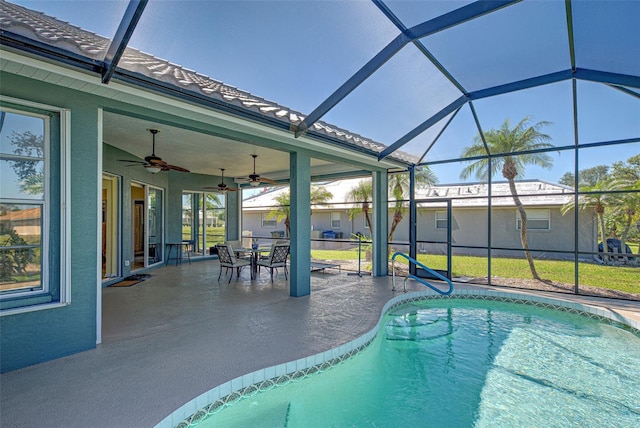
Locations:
{"points": [[32, 337]]}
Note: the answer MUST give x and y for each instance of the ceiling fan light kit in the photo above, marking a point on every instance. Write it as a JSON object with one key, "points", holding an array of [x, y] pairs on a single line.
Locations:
{"points": [[254, 179], [222, 187]]}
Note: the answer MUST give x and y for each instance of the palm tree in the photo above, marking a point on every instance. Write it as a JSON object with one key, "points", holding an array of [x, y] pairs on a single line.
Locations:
{"points": [[283, 210], [593, 199], [399, 188], [361, 194], [524, 137], [318, 195]]}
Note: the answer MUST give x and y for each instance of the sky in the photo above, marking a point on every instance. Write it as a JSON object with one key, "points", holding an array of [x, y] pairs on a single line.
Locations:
{"points": [[296, 53]]}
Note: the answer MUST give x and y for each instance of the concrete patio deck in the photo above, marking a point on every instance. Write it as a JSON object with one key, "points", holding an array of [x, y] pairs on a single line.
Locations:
{"points": [[181, 333]]}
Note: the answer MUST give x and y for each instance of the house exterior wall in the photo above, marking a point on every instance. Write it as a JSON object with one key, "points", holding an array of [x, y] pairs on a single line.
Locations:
{"points": [[40, 335], [32, 337]]}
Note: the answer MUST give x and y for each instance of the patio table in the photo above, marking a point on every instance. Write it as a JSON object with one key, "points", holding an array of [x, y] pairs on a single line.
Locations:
{"points": [[255, 255]]}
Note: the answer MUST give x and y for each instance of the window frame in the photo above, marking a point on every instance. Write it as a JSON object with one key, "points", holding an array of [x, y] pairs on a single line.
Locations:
{"points": [[268, 223], [55, 290], [333, 226], [437, 220], [529, 212]]}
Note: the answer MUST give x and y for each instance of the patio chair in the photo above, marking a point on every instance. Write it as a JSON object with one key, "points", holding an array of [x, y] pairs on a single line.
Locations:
{"points": [[236, 246], [266, 256], [277, 259], [228, 260]]}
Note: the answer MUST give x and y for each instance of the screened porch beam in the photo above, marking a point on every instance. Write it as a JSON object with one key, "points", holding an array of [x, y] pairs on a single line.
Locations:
{"points": [[121, 39], [448, 20]]}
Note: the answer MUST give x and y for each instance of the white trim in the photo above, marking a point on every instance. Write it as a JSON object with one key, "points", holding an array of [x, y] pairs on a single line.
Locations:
{"points": [[65, 206], [529, 211], [339, 219], [99, 232], [32, 308], [263, 217], [435, 215], [65, 210]]}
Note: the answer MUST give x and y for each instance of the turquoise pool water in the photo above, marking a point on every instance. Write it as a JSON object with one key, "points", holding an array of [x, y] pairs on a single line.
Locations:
{"points": [[465, 363]]}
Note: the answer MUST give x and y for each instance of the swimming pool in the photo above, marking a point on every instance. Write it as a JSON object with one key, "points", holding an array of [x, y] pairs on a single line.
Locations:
{"points": [[453, 362]]}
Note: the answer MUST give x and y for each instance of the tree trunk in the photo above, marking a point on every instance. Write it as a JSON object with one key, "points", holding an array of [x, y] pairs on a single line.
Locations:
{"points": [[367, 217], [523, 228], [623, 238], [397, 218], [603, 232]]}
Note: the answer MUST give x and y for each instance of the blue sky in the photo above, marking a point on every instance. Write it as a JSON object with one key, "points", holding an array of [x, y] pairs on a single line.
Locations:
{"points": [[296, 53]]}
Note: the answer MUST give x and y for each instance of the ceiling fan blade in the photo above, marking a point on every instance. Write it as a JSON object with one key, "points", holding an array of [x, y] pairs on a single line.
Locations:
{"points": [[132, 161], [155, 161], [268, 180], [167, 167]]}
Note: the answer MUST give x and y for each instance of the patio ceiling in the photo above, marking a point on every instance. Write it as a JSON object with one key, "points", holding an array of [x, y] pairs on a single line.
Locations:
{"points": [[411, 82], [202, 153]]}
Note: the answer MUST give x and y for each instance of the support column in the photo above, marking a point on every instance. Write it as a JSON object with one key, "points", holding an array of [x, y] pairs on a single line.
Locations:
{"points": [[234, 216], [300, 218], [380, 223]]}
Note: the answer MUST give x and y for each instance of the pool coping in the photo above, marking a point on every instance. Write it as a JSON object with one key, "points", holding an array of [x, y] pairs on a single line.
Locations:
{"points": [[264, 379]]}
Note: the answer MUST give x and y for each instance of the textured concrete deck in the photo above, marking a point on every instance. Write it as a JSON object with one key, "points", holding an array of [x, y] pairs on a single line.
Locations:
{"points": [[181, 332]]}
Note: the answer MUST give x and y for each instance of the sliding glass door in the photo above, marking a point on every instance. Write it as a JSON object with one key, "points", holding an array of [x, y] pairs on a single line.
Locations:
{"points": [[110, 226], [203, 220], [147, 225]]}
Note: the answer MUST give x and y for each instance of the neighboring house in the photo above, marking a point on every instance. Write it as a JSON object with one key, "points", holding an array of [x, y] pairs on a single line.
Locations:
{"points": [[550, 231], [331, 217], [25, 222]]}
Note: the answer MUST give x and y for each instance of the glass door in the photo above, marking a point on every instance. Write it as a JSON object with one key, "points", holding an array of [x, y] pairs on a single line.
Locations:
{"points": [[147, 225], [155, 221], [203, 220], [110, 226]]}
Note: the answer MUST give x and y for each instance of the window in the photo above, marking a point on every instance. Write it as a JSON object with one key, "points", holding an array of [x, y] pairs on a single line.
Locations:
{"points": [[203, 220], [537, 219], [441, 219], [335, 220], [32, 180], [268, 222]]}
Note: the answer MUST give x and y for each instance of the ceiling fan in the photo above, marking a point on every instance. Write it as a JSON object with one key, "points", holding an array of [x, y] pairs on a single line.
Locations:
{"points": [[222, 188], [255, 179], [153, 163]]}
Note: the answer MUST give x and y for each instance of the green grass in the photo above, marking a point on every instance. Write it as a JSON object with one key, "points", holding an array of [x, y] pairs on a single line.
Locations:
{"points": [[620, 278]]}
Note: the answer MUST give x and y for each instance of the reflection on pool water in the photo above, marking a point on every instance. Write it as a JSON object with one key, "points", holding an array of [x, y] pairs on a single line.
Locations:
{"points": [[463, 363]]}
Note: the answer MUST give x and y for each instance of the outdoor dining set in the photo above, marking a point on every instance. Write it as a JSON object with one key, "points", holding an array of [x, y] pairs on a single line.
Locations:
{"points": [[255, 257]]}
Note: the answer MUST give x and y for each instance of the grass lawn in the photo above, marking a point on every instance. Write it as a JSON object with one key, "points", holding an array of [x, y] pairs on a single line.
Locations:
{"points": [[590, 274]]}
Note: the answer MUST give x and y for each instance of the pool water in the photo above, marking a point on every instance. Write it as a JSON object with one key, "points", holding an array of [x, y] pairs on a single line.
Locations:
{"points": [[465, 363]]}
